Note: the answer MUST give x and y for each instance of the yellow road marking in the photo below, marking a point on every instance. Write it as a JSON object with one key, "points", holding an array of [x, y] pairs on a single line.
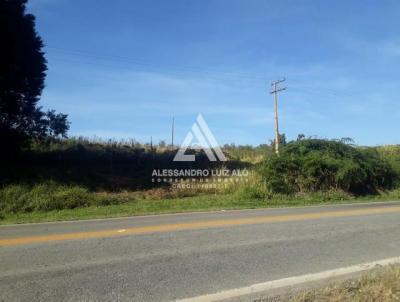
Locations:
{"points": [[195, 225]]}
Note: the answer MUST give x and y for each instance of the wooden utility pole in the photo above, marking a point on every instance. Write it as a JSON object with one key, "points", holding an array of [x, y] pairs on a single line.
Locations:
{"points": [[172, 133], [274, 91]]}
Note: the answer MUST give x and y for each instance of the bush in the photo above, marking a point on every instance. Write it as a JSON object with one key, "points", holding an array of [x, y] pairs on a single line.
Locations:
{"points": [[69, 198], [43, 197], [391, 153], [251, 192], [322, 165], [107, 199], [12, 198]]}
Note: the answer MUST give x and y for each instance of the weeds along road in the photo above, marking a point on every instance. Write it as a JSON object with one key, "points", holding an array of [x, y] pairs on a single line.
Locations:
{"points": [[168, 257]]}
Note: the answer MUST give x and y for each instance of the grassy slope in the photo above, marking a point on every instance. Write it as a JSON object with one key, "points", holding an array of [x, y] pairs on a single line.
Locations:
{"points": [[188, 204], [40, 201], [381, 286]]}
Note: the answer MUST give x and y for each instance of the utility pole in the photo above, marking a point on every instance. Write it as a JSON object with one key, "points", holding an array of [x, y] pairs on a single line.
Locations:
{"points": [[274, 91], [172, 133]]}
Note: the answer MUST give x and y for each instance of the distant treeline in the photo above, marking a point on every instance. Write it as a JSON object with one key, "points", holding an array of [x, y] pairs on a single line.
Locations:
{"points": [[233, 151], [101, 165]]}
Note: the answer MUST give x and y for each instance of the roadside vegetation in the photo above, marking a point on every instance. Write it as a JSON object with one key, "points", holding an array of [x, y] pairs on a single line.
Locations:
{"points": [[79, 178], [108, 205], [323, 165], [382, 285]]}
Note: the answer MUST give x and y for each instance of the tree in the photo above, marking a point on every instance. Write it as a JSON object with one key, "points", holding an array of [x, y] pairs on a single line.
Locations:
{"points": [[22, 73], [282, 140], [162, 144], [300, 137], [347, 140], [57, 124]]}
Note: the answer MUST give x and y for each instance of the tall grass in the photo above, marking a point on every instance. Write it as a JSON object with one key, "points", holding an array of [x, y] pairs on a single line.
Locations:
{"points": [[110, 166], [380, 285], [43, 197], [80, 174]]}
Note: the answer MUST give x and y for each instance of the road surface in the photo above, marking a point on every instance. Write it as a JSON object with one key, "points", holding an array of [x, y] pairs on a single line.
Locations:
{"points": [[169, 257]]}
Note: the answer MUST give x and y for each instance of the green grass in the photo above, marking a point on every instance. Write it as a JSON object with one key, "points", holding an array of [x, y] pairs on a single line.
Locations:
{"points": [[78, 179], [133, 206]]}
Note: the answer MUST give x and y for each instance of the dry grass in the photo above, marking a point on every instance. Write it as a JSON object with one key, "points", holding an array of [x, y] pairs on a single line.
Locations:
{"points": [[381, 286]]}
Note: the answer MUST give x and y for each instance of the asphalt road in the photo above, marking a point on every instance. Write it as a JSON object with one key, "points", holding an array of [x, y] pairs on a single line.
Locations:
{"points": [[168, 257]]}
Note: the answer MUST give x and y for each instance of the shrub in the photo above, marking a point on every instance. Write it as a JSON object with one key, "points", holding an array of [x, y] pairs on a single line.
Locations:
{"points": [[43, 197], [70, 198], [106, 199], [251, 192], [392, 155], [323, 165], [12, 198]]}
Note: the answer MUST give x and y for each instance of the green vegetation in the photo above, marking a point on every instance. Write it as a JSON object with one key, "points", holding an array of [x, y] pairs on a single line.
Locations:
{"points": [[79, 179], [392, 155], [52, 202], [98, 165], [382, 285], [314, 165], [247, 153]]}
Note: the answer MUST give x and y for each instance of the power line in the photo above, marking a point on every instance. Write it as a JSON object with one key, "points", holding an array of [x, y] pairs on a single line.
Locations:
{"points": [[210, 74], [124, 59]]}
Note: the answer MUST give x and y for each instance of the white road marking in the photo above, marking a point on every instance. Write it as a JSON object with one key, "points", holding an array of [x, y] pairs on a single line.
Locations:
{"points": [[274, 284], [121, 231]]}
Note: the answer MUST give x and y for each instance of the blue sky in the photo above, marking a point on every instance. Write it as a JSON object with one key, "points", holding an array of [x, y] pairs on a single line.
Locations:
{"points": [[122, 69]]}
